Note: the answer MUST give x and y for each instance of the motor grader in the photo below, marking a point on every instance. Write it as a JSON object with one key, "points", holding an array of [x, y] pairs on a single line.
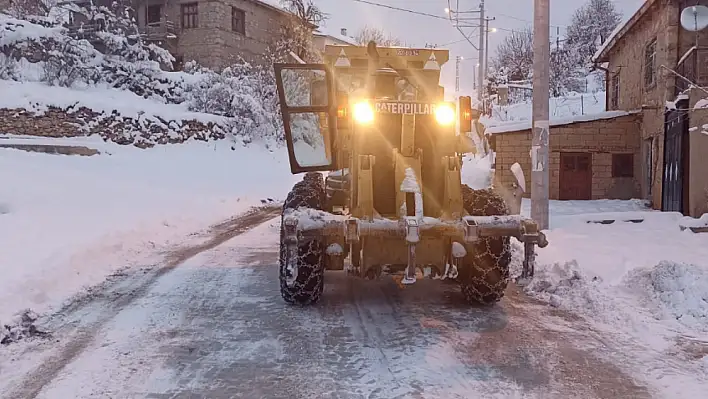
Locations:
{"points": [[375, 119]]}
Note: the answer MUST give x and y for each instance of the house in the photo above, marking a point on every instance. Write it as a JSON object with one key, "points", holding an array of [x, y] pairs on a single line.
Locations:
{"points": [[591, 156], [212, 32], [648, 62]]}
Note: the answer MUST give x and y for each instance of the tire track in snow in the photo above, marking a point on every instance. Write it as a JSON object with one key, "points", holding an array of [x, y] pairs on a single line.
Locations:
{"points": [[80, 337]]}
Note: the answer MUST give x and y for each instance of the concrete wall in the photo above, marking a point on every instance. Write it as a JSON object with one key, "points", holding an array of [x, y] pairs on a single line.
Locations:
{"points": [[627, 59], [698, 169], [213, 43], [602, 138]]}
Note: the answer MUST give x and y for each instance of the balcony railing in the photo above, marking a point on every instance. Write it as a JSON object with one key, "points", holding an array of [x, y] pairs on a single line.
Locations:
{"points": [[154, 31], [693, 66], [163, 30]]}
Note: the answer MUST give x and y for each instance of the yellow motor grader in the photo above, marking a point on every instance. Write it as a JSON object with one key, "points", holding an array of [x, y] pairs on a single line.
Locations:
{"points": [[376, 120]]}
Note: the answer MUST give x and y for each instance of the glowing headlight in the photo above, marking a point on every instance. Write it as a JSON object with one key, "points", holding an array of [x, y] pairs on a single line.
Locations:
{"points": [[445, 114], [363, 112]]}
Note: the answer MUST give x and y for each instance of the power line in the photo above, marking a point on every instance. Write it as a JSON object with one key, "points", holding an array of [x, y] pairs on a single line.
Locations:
{"points": [[401, 9]]}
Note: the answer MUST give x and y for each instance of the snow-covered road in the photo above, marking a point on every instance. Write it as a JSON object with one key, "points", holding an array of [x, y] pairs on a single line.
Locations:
{"points": [[214, 326]]}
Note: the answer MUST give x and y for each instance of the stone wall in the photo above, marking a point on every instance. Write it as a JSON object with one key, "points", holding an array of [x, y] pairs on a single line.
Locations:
{"points": [[601, 138], [143, 133], [213, 43], [698, 159], [661, 22]]}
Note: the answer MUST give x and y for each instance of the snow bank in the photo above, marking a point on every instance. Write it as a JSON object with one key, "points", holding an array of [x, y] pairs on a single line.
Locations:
{"points": [[71, 221], [680, 289]]}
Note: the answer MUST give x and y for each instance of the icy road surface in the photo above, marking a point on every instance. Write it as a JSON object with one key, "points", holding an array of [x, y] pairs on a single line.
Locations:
{"points": [[211, 324]]}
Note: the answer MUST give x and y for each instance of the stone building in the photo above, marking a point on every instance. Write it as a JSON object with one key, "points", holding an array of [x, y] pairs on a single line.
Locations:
{"points": [[642, 61], [589, 159], [215, 33]]}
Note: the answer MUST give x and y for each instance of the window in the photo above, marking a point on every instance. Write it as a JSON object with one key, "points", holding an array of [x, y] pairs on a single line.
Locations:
{"points": [[614, 100], [238, 20], [153, 13], [650, 65], [189, 13], [622, 165]]}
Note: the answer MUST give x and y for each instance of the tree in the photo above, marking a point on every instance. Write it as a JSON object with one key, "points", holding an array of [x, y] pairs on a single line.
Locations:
{"points": [[22, 9], [591, 26], [378, 35], [515, 55], [297, 33], [565, 75]]}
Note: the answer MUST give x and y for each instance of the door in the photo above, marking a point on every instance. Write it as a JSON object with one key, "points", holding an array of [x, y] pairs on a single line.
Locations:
{"points": [[575, 176], [675, 159], [309, 116]]}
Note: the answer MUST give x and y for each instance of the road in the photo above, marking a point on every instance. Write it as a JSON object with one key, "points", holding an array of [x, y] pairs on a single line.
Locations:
{"points": [[210, 323]]}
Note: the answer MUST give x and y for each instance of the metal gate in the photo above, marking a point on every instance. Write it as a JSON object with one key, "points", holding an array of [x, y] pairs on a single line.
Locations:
{"points": [[675, 155]]}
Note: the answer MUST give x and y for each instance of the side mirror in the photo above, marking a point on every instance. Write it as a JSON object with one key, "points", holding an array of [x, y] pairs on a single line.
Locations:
{"points": [[309, 117]]}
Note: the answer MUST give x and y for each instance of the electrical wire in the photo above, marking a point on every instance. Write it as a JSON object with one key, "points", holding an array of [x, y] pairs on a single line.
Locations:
{"points": [[425, 14]]}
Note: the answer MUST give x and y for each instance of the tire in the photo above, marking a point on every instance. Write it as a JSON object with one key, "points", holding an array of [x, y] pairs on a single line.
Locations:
{"points": [[309, 284], [484, 272]]}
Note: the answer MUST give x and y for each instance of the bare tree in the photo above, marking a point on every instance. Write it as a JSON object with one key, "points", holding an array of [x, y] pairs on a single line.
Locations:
{"points": [[378, 35], [515, 54], [297, 34]]}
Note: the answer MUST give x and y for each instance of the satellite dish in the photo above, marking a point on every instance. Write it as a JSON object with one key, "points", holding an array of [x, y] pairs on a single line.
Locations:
{"points": [[694, 18]]}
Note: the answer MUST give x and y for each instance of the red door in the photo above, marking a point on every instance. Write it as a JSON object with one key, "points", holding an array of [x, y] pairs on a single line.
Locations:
{"points": [[575, 176]]}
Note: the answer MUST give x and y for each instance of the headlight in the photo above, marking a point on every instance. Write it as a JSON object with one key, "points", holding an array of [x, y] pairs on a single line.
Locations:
{"points": [[445, 114], [363, 112]]}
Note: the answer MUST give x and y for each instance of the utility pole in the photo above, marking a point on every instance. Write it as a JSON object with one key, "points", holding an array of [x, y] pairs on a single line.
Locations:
{"points": [[541, 126], [481, 48], [457, 75], [486, 46]]}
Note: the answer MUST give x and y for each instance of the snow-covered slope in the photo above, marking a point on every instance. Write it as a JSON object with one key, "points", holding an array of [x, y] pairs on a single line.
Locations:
{"points": [[69, 221]]}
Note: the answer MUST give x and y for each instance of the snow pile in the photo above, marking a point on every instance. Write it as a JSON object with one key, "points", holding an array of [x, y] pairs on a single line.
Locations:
{"points": [[476, 171], [554, 282], [20, 327], [681, 289]]}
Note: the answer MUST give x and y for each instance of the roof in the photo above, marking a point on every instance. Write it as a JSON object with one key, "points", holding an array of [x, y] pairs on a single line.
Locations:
{"points": [[337, 36], [276, 5], [526, 125], [621, 29]]}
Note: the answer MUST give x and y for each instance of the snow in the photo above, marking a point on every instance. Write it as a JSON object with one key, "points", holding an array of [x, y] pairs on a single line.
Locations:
{"points": [[688, 221], [515, 127], [645, 283], [702, 103], [68, 222], [37, 97], [334, 249], [519, 175], [571, 105]]}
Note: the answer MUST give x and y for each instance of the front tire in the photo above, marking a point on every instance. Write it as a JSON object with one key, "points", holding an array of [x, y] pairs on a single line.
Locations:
{"points": [[307, 287], [484, 273]]}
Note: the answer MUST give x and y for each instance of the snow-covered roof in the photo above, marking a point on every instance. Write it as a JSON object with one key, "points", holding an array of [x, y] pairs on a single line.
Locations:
{"points": [[335, 35], [526, 125], [621, 29]]}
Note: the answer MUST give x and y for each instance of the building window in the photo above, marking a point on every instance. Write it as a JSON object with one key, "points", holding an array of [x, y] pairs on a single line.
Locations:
{"points": [[190, 15], [622, 165], [153, 13], [615, 89], [650, 64], [238, 20]]}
